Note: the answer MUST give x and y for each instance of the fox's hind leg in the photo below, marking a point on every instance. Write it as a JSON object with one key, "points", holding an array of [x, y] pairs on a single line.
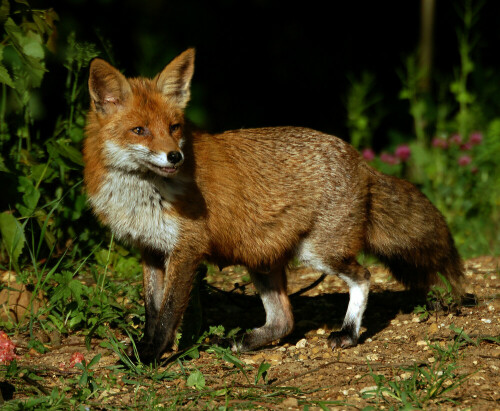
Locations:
{"points": [[279, 318], [358, 279]]}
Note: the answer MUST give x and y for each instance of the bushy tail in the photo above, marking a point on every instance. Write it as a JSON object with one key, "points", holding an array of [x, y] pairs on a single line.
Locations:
{"points": [[409, 235]]}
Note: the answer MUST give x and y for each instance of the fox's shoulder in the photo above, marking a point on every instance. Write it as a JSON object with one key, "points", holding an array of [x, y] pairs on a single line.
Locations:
{"points": [[286, 138], [277, 133], [271, 148]]}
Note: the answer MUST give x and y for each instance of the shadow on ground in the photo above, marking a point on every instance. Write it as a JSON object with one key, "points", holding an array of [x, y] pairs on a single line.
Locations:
{"points": [[235, 309]]}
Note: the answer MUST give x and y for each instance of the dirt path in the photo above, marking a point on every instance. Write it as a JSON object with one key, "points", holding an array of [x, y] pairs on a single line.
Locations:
{"points": [[393, 341]]}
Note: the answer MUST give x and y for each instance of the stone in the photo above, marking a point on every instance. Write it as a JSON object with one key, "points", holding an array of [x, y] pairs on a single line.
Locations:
{"points": [[301, 343], [290, 403]]}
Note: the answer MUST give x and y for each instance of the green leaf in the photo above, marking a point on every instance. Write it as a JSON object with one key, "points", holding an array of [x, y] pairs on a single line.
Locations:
{"points": [[236, 362], [262, 371], [4, 10], [42, 24], [5, 77], [14, 32], [76, 134], [38, 346], [76, 288], [3, 167], [58, 149], [94, 361], [29, 49], [32, 46], [74, 321], [30, 197], [12, 235], [193, 353], [233, 332], [41, 172], [405, 94], [196, 380], [35, 71]]}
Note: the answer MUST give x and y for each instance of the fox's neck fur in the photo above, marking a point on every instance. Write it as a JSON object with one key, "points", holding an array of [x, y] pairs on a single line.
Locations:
{"points": [[143, 204]]}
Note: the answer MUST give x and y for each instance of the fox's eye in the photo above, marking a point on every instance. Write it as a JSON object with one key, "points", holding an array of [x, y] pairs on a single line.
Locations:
{"points": [[138, 130], [174, 127]]}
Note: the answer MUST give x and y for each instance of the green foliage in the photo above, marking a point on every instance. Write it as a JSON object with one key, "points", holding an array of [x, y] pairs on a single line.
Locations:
{"points": [[75, 305], [55, 401], [422, 311], [426, 385], [462, 180], [419, 103], [440, 297], [42, 175], [457, 169], [45, 226], [85, 386], [361, 120], [262, 372], [423, 385], [196, 380], [38, 346], [12, 236], [459, 87]]}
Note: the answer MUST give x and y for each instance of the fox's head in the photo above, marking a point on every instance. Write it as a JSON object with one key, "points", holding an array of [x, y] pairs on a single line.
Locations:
{"points": [[139, 123]]}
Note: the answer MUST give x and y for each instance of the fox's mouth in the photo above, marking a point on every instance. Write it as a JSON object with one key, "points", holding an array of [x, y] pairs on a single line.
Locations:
{"points": [[168, 170], [164, 171]]}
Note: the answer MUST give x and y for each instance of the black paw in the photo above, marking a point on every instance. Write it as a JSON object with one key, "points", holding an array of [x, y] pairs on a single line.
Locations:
{"points": [[240, 346], [147, 354], [220, 341], [341, 339], [245, 342], [469, 300]]}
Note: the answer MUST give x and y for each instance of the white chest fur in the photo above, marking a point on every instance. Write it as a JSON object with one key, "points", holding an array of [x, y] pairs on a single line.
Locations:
{"points": [[136, 207]]}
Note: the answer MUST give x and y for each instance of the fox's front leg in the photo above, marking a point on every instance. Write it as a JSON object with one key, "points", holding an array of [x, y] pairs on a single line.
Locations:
{"points": [[154, 272], [163, 317]]}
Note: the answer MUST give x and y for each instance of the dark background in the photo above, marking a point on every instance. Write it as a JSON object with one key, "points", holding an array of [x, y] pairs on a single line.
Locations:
{"points": [[269, 63]]}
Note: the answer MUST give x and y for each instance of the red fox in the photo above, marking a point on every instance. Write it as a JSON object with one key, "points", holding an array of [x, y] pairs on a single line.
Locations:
{"points": [[253, 197]]}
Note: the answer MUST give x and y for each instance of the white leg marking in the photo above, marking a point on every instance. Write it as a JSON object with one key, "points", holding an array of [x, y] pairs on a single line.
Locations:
{"points": [[358, 292], [358, 297]]}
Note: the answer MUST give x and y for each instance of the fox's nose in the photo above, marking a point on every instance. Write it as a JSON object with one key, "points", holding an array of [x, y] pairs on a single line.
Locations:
{"points": [[174, 157]]}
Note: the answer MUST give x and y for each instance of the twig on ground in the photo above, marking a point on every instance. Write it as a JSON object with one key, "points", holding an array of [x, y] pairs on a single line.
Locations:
{"points": [[309, 287]]}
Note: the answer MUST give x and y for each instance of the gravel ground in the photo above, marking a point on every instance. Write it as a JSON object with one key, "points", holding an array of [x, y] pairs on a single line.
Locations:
{"points": [[393, 340]]}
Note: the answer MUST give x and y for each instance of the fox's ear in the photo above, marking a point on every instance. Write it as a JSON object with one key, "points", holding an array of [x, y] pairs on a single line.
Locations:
{"points": [[175, 79], [108, 88]]}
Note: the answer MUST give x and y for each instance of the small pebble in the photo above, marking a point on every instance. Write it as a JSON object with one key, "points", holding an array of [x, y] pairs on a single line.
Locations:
{"points": [[301, 343], [290, 403]]}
